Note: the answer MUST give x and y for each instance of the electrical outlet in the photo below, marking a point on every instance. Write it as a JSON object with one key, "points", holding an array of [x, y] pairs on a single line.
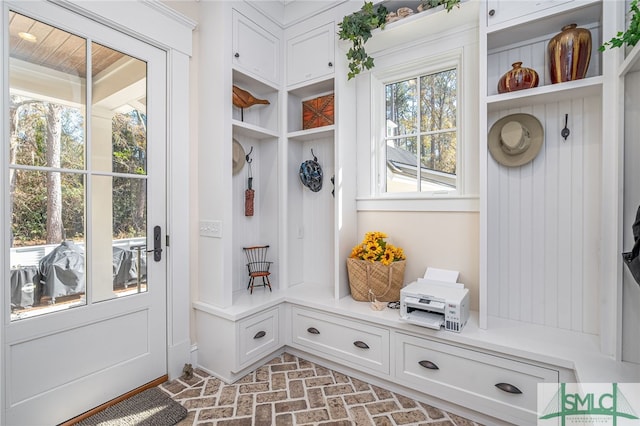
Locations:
{"points": [[211, 228]]}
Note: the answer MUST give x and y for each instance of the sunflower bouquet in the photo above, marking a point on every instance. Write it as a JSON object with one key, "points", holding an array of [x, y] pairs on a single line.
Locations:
{"points": [[375, 249], [376, 269]]}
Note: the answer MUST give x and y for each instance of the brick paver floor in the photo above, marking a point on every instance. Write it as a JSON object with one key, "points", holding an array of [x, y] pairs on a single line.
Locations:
{"points": [[292, 391]]}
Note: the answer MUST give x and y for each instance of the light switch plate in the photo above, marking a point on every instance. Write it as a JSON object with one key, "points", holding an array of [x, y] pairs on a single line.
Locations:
{"points": [[211, 228]]}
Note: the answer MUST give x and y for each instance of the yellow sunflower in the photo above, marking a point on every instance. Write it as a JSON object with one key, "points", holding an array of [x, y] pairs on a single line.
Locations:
{"points": [[387, 257], [356, 252], [374, 248]]}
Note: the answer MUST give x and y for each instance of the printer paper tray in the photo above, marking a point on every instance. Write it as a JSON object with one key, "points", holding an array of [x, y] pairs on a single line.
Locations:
{"points": [[426, 319]]}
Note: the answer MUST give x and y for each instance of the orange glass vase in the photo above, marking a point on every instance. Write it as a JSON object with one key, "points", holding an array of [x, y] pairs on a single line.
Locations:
{"points": [[518, 78], [569, 54]]}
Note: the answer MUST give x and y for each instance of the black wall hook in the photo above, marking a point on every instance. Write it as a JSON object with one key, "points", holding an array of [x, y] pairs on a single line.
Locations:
{"points": [[249, 160], [565, 132]]}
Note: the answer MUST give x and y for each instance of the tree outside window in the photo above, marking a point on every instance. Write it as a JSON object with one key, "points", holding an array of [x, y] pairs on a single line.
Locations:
{"points": [[421, 133]]}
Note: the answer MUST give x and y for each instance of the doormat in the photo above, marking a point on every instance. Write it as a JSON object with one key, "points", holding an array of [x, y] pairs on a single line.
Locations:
{"points": [[152, 407]]}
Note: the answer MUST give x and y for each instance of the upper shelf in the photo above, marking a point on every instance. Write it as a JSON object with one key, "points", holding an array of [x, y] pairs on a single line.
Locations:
{"points": [[547, 21], [312, 134], [252, 131], [435, 22], [546, 94], [252, 84]]}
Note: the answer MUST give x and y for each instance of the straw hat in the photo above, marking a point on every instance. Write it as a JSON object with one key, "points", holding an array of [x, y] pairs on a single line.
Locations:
{"points": [[238, 157], [516, 139]]}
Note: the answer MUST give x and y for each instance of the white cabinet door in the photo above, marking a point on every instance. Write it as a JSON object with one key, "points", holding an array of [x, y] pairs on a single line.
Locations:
{"points": [[499, 11], [311, 55], [255, 50]]}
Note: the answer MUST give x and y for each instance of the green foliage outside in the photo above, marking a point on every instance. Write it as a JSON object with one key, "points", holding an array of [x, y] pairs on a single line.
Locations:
{"points": [[427, 120], [29, 190]]}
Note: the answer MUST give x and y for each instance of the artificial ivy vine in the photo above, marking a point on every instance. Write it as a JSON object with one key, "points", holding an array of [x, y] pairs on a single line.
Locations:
{"points": [[631, 36], [357, 28]]}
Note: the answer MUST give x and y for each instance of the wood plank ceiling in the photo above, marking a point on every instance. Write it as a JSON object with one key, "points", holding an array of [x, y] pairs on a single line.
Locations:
{"points": [[56, 49]]}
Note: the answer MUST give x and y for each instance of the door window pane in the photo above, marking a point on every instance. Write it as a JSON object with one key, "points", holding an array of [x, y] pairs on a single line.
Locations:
{"points": [[78, 207], [47, 242]]}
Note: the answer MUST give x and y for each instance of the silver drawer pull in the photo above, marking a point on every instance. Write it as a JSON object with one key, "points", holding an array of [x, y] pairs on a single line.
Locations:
{"points": [[361, 345], [428, 364], [506, 387], [313, 330], [261, 334]]}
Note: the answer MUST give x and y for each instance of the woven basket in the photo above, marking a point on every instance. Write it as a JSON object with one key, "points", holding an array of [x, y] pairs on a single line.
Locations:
{"points": [[373, 280]]}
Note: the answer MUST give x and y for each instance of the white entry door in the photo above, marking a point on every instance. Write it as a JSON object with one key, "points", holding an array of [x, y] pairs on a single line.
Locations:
{"points": [[85, 213]]}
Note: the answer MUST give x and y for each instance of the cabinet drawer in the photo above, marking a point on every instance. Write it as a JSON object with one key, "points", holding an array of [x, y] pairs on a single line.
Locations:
{"points": [[473, 379], [342, 339], [258, 335]]}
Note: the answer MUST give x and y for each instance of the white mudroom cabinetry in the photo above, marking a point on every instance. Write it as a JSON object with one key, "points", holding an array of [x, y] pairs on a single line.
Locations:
{"points": [[549, 230], [550, 304], [255, 50], [310, 55], [309, 233]]}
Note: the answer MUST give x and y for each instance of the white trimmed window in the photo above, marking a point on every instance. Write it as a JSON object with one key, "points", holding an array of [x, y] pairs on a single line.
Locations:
{"points": [[421, 135]]}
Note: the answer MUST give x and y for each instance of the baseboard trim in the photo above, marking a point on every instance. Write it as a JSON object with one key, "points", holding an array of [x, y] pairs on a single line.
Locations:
{"points": [[160, 380]]}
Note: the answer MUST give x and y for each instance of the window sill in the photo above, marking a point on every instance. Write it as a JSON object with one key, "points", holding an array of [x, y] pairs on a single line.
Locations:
{"points": [[401, 203]]}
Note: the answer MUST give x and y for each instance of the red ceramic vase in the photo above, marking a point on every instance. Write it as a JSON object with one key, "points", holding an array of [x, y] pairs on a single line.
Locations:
{"points": [[569, 54], [518, 78]]}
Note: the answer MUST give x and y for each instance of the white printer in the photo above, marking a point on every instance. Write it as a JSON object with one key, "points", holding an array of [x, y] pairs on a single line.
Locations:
{"points": [[434, 304]]}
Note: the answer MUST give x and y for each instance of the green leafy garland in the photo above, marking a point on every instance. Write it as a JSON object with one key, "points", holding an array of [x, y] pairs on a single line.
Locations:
{"points": [[629, 37], [357, 28]]}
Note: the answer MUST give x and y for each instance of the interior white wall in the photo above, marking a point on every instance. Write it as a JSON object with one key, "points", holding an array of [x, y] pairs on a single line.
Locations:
{"points": [[191, 9], [445, 240]]}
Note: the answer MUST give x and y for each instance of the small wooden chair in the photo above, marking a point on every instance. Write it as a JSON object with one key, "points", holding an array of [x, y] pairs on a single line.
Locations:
{"points": [[257, 265]]}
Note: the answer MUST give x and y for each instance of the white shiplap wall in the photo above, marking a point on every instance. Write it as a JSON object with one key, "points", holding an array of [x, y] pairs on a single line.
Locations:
{"points": [[533, 54], [544, 223], [310, 216], [262, 227]]}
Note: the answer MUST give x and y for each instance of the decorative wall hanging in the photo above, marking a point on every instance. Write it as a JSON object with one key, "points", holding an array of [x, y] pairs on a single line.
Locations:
{"points": [[569, 54], [516, 139], [518, 78], [243, 99], [249, 193], [311, 174], [238, 157], [317, 112]]}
